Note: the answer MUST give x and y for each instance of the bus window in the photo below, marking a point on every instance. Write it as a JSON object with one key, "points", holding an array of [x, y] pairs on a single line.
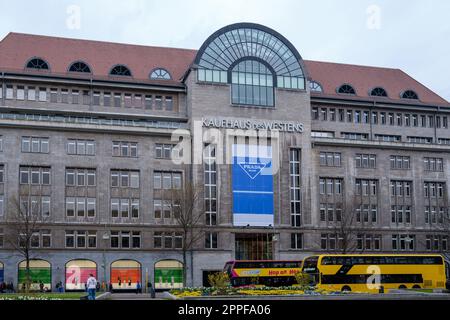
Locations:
{"points": [[228, 267]]}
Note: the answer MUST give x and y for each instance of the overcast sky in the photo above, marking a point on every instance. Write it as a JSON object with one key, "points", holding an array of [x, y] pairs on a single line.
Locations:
{"points": [[410, 35]]}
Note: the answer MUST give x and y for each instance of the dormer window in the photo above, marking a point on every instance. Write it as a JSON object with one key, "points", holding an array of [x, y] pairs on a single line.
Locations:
{"points": [[120, 70], [346, 89], [409, 94], [378, 92], [79, 66], [37, 63], [160, 74], [315, 86]]}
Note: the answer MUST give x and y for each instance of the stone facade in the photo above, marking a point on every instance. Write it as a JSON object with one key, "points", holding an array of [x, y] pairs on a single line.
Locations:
{"points": [[60, 121]]}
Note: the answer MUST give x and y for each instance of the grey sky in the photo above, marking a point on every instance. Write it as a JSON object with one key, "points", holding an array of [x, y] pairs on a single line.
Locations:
{"points": [[410, 35]]}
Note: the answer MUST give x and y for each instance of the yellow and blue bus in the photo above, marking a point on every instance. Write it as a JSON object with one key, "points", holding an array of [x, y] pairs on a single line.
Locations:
{"points": [[267, 273], [378, 272]]}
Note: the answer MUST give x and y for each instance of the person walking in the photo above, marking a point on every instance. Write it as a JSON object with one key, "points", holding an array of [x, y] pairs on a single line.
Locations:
{"points": [[91, 285], [151, 290], [138, 288]]}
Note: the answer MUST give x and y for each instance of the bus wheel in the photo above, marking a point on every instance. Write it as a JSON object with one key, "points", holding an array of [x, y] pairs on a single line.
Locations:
{"points": [[402, 286], [346, 289], [416, 286]]}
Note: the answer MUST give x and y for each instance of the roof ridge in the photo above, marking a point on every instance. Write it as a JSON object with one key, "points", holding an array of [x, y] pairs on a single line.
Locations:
{"points": [[420, 83], [11, 33], [353, 65]]}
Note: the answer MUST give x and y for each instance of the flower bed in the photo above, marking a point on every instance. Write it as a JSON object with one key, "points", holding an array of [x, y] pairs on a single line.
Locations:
{"points": [[245, 291]]}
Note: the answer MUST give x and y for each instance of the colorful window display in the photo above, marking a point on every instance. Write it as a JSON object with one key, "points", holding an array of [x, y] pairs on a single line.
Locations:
{"points": [[125, 274], [77, 273], [168, 275], [40, 275]]}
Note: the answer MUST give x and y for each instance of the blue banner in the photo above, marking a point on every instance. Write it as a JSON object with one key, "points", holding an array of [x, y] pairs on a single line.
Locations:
{"points": [[252, 183]]}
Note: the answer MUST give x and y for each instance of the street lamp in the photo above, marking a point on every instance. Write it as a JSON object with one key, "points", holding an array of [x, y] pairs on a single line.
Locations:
{"points": [[105, 237]]}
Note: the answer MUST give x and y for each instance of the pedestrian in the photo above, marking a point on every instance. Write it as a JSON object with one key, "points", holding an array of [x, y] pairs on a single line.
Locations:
{"points": [[110, 287], [41, 286], [91, 285], [151, 290], [138, 288]]}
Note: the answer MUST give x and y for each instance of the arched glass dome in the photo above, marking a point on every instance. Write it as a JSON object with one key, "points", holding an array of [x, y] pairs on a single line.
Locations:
{"points": [[242, 41]]}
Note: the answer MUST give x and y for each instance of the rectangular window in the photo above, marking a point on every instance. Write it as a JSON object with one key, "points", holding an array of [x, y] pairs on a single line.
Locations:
{"points": [[367, 161], [20, 93], [148, 102], [158, 102], [330, 159], [92, 239], [31, 94], [138, 101], [75, 97], [157, 209], [117, 100], [114, 239], [115, 208], [135, 208], [70, 207], [128, 101], [136, 239], [91, 207], [35, 145], [64, 95], [169, 103], [210, 240], [124, 149], [107, 99], [157, 240], [9, 92], [70, 239], [295, 186], [81, 239], [86, 97], [43, 94], [400, 162], [96, 98]]}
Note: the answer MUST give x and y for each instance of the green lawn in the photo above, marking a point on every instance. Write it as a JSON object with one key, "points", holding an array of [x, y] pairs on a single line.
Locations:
{"points": [[64, 296]]}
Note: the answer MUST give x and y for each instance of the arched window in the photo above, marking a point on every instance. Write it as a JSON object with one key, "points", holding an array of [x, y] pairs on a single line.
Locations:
{"points": [[252, 84], [315, 86], [160, 74], [378, 92], [120, 70], [243, 41], [79, 66], [37, 63], [346, 89], [409, 94]]}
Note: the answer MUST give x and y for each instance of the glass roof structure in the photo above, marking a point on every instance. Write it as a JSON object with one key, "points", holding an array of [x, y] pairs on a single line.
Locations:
{"points": [[246, 40]]}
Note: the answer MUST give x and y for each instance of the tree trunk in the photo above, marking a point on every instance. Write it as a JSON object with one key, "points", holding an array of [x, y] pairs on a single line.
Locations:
{"points": [[184, 267], [27, 273]]}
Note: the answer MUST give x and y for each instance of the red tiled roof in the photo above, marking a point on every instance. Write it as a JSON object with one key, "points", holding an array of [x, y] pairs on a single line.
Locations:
{"points": [[363, 79], [16, 49]]}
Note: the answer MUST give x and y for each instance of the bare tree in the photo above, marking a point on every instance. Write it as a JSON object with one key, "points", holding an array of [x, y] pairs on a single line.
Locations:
{"points": [[189, 217], [345, 228], [24, 220]]}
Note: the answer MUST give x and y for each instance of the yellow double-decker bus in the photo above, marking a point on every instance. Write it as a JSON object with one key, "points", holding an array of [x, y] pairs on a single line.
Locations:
{"points": [[377, 273], [262, 273]]}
